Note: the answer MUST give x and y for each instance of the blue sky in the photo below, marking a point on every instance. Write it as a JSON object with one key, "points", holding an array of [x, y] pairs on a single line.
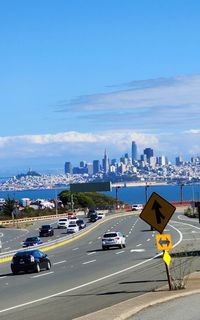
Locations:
{"points": [[80, 76]]}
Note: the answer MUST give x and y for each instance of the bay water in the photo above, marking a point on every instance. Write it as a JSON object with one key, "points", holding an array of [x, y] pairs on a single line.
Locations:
{"points": [[130, 195]]}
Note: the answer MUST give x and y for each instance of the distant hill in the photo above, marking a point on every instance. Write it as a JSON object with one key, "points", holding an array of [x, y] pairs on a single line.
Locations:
{"points": [[29, 173]]}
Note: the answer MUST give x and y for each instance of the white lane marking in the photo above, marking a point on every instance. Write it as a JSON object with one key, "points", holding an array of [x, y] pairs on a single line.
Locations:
{"points": [[137, 250], [74, 249], [91, 261], [6, 248], [3, 277], [138, 245], [42, 275], [119, 252], [148, 240], [98, 238], [90, 242], [93, 281], [192, 239], [89, 254], [59, 262]]}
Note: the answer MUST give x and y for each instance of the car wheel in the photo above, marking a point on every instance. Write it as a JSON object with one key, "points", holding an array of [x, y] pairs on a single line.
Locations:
{"points": [[124, 246], [103, 248], [48, 265], [37, 268], [121, 246], [14, 272]]}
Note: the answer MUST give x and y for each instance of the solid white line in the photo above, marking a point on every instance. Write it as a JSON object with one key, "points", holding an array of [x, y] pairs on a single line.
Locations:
{"points": [[90, 282], [3, 277], [89, 254], [59, 262], [75, 249], [42, 275], [119, 252], [89, 261]]}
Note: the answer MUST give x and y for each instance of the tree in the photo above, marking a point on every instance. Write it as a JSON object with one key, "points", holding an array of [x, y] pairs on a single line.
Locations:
{"points": [[9, 207]]}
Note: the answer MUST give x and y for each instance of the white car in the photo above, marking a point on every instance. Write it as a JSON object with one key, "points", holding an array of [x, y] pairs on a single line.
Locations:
{"points": [[72, 220], [113, 239], [100, 215], [72, 228], [62, 223], [137, 207]]}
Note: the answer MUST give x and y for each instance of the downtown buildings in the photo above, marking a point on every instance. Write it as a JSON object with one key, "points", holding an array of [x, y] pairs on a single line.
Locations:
{"points": [[145, 167]]}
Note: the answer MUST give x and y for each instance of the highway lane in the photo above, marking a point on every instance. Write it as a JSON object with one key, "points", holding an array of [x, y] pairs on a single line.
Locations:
{"points": [[85, 276]]}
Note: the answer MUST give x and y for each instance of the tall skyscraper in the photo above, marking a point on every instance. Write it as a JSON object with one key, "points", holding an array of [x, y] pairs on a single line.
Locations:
{"points": [[149, 153], [134, 152], [96, 166], [68, 167], [105, 163]]}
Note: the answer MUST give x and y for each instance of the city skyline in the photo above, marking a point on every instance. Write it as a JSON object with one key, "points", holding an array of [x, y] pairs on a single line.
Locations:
{"points": [[78, 79]]}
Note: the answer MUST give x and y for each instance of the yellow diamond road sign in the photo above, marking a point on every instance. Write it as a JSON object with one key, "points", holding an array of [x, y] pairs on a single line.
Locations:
{"points": [[157, 212], [164, 241], [167, 258]]}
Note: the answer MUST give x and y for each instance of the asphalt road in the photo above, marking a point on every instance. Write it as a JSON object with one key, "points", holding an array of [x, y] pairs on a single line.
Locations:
{"points": [[83, 278]]}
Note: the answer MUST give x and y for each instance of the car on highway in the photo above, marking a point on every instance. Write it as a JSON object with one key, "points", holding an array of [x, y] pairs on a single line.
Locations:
{"points": [[91, 211], [46, 230], [30, 260], [73, 220], [81, 223], [137, 207], [93, 217], [113, 239], [32, 241], [100, 215], [62, 223], [72, 228]]}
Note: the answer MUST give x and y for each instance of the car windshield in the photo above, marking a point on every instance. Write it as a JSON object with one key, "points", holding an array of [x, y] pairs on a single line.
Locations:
{"points": [[62, 220], [110, 235], [31, 239], [46, 227], [73, 225]]}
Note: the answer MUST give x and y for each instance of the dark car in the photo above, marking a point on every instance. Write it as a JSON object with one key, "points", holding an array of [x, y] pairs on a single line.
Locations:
{"points": [[30, 260], [81, 223], [32, 241], [46, 230], [93, 217], [91, 211]]}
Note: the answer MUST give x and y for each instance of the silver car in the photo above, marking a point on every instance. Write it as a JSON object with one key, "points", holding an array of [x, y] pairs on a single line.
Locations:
{"points": [[113, 239]]}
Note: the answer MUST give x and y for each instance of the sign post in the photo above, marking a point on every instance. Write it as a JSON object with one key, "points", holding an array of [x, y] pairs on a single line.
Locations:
{"points": [[157, 213]]}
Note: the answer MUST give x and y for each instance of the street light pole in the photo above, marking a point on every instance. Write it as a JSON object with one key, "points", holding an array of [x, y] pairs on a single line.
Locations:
{"points": [[117, 198], [146, 192]]}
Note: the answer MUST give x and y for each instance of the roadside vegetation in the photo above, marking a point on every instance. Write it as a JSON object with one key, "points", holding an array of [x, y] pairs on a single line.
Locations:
{"points": [[70, 202]]}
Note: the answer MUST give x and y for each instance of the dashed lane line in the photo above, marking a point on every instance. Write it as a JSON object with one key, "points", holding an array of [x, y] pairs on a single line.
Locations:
{"points": [[120, 252], [42, 275], [87, 262], [59, 262]]}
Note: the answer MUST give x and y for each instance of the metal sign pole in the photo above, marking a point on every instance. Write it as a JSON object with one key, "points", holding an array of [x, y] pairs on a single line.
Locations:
{"points": [[168, 274]]}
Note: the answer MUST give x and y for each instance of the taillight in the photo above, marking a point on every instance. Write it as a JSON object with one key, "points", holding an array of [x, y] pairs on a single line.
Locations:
{"points": [[32, 259], [117, 238]]}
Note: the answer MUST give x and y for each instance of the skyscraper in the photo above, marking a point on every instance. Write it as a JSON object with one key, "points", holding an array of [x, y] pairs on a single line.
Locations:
{"points": [[149, 153], [68, 167], [134, 152], [105, 163]]}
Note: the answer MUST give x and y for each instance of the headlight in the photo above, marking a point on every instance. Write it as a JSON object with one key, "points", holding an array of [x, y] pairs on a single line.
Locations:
{"points": [[32, 258]]}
